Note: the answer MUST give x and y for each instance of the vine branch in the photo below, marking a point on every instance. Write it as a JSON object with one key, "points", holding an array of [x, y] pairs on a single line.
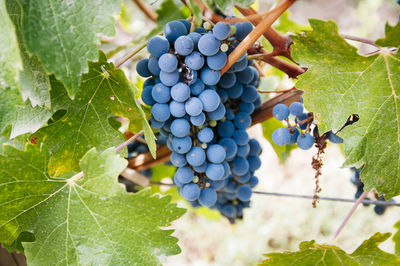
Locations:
{"points": [[150, 13]]}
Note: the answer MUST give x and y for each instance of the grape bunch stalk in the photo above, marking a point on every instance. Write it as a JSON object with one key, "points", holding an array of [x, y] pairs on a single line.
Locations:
{"points": [[205, 115]]}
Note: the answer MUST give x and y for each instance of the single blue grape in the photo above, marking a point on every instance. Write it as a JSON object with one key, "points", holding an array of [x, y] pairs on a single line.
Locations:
{"points": [[215, 171], [254, 163], [280, 111], [245, 76], [216, 153], [160, 112], [229, 211], [253, 181], [200, 30], [210, 100], [257, 103], [149, 82], [186, 23], [238, 65], [195, 36], [229, 114], [244, 193], [161, 93], [281, 136], [178, 160], [217, 184], [182, 145], [249, 94], [243, 178], [294, 136], [193, 106], [223, 95], [227, 169], [240, 166], [226, 129], [190, 192], [334, 138], [146, 95], [218, 114], [157, 46], [305, 141], [174, 29], [243, 150], [197, 87], [205, 135], [241, 137], [153, 67], [246, 107], [184, 45], [169, 79], [208, 197], [255, 147], [235, 91], [230, 147], [209, 77], [180, 92], [242, 120], [208, 45], [177, 109], [195, 60], [221, 30], [256, 75], [196, 156], [168, 62], [217, 61], [200, 169], [301, 118], [198, 120], [180, 127], [296, 108], [142, 68], [243, 29], [227, 80], [184, 175], [155, 124]]}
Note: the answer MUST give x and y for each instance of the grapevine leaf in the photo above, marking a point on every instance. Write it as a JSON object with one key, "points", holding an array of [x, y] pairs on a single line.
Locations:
{"points": [[81, 220], [33, 79], [311, 253], [392, 36], [339, 82], [64, 34], [29, 119], [396, 238], [104, 92], [284, 24], [10, 60], [227, 5], [10, 100], [268, 128]]}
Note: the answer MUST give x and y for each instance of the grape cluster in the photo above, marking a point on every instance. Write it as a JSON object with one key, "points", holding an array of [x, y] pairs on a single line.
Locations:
{"points": [[356, 180], [205, 115]]}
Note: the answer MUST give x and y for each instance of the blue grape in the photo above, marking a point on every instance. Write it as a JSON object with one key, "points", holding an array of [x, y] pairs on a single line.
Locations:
{"points": [[249, 94], [229, 114], [177, 109], [242, 120], [142, 68], [209, 77], [196, 156], [243, 150], [218, 114], [198, 120], [280, 111], [186, 23], [226, 129], [195, 36], [256, 75], [168, 62], [245, 76], [294, 136], [182, 145], [281, 136], [301, 118], [334, 138], [240, 166], [235, 91], [243, 178], [243, 29], [157, 46], [184, 175], [197, 87], [253, 181], [169, 79], [254, 163], [149, 82], [217, 184], [229, 211], [244, 193], [155, 124], [238, 65], [246, 107], [200, 169], [184, 45], [223, 95], [193, 106], [146, 95], [217, 61], [180, 92], [178, 160], [296, 108], [255, 147], [200, 30], [216, 153], [208, 45], [161, 93], [241, 137], [231, 186], [215, 171], [257, 103], [227, 169], [195, 60], [208, 197], [153, 67], [205, 135], [221, 30], [190, 192], [227, 80], [305, 141], [180, 128], [174, 29], [230, 147], [160, 112], [210, 100]]}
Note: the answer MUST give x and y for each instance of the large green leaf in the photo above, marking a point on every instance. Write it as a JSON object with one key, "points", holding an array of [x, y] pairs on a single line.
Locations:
{"points": [[64, 34], [10, 101], [81, 220], [339, 82], [10, 60], [311, 253], [104, 92]]}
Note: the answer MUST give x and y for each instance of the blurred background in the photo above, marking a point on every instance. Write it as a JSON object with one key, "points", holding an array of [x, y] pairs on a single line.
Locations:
{"points": [[275, 224]]}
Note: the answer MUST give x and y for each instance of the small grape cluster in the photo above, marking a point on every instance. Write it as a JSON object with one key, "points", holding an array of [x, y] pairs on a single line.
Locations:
{"points": [[356, 180], [204, 115]]}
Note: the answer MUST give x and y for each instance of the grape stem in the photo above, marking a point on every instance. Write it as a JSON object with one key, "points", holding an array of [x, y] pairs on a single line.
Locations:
{"points": [[150, 13], [130, 140], [129, 56], [343, 224], [359, 39]]}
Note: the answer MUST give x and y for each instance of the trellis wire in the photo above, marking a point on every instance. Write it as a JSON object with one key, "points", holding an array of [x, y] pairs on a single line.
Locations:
{"points": [[288, 195]]}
